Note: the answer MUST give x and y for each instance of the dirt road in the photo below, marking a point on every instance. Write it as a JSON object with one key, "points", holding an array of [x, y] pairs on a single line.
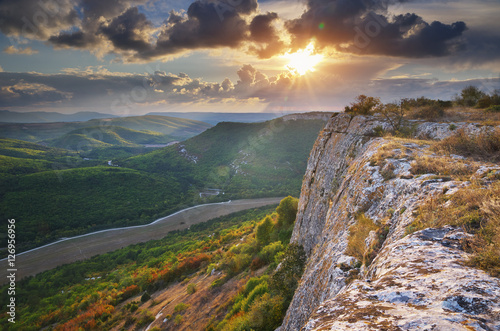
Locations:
{"points": [[85, 246]]}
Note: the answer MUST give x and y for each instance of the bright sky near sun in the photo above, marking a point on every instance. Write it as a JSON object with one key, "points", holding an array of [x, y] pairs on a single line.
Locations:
{"points": [[138, 56]]}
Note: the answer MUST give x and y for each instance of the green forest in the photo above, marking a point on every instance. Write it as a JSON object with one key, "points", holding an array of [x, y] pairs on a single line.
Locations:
{"points": [[117, 289], [57, 192]]}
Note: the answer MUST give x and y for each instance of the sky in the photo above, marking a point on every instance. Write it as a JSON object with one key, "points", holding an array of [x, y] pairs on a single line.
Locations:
{"points": [[131, 57]]}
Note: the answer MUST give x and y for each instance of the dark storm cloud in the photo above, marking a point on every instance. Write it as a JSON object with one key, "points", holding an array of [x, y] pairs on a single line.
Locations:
{"points": [[207, 25], [77, 39], [119, 27], [115, 20], [36, 19], [129, 31], [262, 31], [365, 27]]}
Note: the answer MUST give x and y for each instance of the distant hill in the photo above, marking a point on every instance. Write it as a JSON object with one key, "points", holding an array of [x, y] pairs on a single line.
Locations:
{"points": [[46, 117], [19, 157], [70, 193], [243, 159], [177, 128], [214, 118], [107, 137]]}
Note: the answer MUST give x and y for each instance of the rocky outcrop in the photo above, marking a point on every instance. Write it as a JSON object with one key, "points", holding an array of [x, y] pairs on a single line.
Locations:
{"points": [[416, 282]]}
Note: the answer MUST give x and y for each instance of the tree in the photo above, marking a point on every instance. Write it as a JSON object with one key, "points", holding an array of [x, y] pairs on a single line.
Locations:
{"points": [[394, 113], [287, 211], [363, 105], [469, 96], [145, 297], [264, 230], [286, 278]]}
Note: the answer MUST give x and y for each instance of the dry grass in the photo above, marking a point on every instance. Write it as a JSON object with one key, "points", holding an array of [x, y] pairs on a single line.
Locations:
{"points": [[394, 149], [485, 146], [477, 210], [443, 166], [358, 233], [467, 114]]}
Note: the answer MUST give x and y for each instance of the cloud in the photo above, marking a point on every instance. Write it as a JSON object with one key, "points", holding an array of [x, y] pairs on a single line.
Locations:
{"points": [[23, 51], [31, 93], [263, 32], [129, 31], [104, 26], [206, 25], [365, 27], [125, 29], [126, 93], [36, 19]]}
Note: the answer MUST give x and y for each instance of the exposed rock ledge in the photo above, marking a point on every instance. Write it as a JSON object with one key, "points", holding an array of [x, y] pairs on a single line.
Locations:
{"points": [[417, 282]]}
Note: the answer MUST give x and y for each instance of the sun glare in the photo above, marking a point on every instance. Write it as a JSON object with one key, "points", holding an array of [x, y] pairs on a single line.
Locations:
{"points": [[303, 61]]}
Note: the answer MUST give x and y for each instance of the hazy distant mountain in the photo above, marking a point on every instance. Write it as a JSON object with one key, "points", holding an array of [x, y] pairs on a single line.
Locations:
{"points": [[214, 118], [176, 128], [46, 117]]}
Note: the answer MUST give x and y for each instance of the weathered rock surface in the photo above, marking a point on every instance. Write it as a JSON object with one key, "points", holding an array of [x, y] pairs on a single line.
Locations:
{"points": [[417, 282]]}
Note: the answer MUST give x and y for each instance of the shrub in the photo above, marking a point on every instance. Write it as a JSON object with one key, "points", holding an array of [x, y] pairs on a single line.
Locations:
{"points": [[430, 112], [180, 307], [266, 313], [489, 100], [287, 211], [485, 146], [178, 319], [191, 289], [358, 233], [264, 229], [285, 280], [130, 320], [267, 253], [469, 96], [363, 105], [145, 297], [145, 319], [256, 292], [394, 113], [494, 108], [218, 282]]}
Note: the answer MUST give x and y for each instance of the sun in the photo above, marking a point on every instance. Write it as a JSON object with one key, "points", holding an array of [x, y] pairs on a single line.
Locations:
{"points": [[303, 61]]}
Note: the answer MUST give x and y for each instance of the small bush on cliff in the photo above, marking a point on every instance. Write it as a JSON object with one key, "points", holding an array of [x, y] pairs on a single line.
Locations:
{"points": [[359, 232], [485, 146], [363, 105]]}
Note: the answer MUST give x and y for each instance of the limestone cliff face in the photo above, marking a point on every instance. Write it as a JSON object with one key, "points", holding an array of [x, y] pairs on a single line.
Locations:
{"points": [[416, 282]]}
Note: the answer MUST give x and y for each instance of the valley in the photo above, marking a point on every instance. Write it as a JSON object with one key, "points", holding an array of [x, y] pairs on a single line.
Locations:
{"points": [[69, 250], [73, 192]]}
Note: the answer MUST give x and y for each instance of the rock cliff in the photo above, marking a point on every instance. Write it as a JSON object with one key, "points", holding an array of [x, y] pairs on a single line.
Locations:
{"points": [[418, 281]]}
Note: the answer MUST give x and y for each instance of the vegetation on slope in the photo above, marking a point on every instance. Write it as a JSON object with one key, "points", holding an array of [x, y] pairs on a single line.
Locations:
{"points": [[94, 137], [70, 195], [53, 204], [243, 159], [118, 289], [176, 128], [19, 157]]}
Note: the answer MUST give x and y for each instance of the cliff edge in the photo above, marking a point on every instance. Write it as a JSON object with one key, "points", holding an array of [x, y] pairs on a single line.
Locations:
{"points": [[373, 264]]}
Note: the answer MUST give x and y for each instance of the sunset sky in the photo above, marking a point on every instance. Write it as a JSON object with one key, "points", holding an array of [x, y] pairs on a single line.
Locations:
{"points": [[136, 56]]}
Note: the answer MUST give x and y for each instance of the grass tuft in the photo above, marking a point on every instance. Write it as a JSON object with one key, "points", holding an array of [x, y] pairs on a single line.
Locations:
{"points": [[485, 146], [476, 209], [358, 233]]}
